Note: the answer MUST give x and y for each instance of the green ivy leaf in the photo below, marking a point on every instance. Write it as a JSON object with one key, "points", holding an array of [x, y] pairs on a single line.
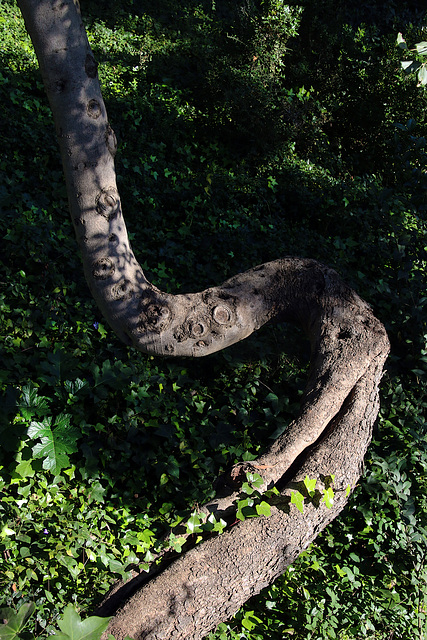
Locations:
{"points": [[298, 500], [96, 493], [310, 485], [263, 509], [175, 542], [245, 509], [115, 565], [246, 488], [74, 628], [328, 497], [220, 525], [15, 621], [25, 469], [70, 563], [212, 524], [255, 480], [6, 532], [193, 524], [250, 620]]}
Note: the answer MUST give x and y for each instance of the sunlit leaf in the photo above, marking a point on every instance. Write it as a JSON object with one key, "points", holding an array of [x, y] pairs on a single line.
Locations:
{"points": [[401, 42], [298, 500], [310, 485], [421, 48], [409, 66], [422, 80], [328, 497], [56, 441], [263, 509], [74, 628], [6, 532], [193, 524]]}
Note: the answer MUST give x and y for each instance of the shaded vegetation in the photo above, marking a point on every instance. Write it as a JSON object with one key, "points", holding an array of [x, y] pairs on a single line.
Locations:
{"points": [[247, 131]]}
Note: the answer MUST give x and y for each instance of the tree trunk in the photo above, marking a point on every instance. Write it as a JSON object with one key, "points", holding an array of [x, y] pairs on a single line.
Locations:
{"points": [[349, 347]]}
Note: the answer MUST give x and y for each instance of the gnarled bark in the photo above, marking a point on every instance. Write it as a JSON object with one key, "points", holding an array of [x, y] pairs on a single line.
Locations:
{"points": [[212, 581], [328, 439], [349, 347]]}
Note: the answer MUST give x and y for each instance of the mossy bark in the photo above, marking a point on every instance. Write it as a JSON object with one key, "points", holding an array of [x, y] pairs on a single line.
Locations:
{"points": [[349, 347]]}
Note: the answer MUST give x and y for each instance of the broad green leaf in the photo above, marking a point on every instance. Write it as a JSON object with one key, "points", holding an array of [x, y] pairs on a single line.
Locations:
{"points": [[220, 525], [115, 565], [96, 492], [59, 366], [245, 509], [340, 572], [254, 479], [74, 386], [70, 563], [25, 469], [298, 500], [212, 524], [74, 628], [250, 620], [30, 403], [263, 509], [55, 442], [175, 542], [105, 375], [15, 621]]}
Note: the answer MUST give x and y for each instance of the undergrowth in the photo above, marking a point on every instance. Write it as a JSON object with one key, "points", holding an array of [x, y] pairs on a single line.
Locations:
{"points": [[247, 131]]}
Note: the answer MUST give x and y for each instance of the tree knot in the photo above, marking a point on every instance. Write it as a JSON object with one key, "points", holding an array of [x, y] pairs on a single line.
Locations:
{"points": [[108, 203], [155, 317], [103, 268]]}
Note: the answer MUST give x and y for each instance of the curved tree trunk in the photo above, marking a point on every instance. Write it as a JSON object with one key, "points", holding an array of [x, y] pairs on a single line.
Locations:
{"points": [[349, 347], [211, 582]]}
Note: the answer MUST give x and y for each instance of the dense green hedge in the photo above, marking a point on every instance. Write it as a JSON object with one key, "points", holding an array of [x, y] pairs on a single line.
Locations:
{"points": [[247, 131]]}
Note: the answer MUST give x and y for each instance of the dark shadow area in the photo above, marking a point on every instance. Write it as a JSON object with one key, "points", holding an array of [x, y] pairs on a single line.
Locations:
{"points": [[257, 88]]}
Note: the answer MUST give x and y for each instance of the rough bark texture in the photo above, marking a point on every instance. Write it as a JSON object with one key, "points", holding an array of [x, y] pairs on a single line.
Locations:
{"points": [[213, 580], [349, 347]]}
